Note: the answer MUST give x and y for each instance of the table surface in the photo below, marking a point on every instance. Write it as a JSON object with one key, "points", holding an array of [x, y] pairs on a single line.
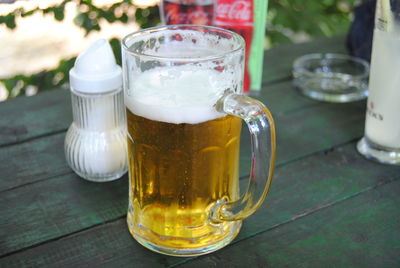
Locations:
{"points": [[327, 206]]}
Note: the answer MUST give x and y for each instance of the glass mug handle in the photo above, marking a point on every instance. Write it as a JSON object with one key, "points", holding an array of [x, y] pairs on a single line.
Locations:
{"points": [[262, 133]]}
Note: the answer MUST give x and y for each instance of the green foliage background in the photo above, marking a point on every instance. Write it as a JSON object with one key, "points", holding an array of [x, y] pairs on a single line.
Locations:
{"points": [[287, 20]]}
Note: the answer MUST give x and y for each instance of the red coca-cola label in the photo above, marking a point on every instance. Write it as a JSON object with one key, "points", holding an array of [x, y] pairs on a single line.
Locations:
{"points": [[237, 16], [234, 13], [187, 12]]}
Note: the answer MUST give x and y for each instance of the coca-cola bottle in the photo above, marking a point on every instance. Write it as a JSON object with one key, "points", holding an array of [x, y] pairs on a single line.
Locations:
{"points": [[187, 12], [237, 16]]}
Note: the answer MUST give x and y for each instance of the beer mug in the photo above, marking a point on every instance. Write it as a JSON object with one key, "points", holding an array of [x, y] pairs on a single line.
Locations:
{"points": [[184, 104]]}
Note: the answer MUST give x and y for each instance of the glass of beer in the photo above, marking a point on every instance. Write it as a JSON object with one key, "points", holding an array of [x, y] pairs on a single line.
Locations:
{"points": [[183, 96]]}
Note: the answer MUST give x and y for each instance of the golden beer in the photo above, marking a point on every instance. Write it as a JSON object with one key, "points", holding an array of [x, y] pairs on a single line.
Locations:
{"points": [[182, 89], [177, 173]]}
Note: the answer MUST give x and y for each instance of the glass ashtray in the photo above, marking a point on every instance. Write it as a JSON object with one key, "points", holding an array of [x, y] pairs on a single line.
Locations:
{"points": [[331, 77]]}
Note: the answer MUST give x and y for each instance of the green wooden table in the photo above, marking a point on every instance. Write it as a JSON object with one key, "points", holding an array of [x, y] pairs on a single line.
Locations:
{"points": [[328, 206]]}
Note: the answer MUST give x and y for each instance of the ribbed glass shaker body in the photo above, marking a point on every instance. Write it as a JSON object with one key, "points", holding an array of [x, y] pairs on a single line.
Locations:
{"points": [[95, 144]]}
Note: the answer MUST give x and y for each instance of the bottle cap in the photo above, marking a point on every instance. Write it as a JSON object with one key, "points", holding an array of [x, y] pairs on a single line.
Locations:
{"points": [[95, 70]]}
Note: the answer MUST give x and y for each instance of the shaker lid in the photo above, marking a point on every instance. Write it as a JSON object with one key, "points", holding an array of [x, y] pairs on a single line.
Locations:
{"points": [[95, 70]]}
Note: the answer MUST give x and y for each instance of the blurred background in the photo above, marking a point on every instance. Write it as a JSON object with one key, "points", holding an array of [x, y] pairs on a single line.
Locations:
{"points": [[40, 39]]}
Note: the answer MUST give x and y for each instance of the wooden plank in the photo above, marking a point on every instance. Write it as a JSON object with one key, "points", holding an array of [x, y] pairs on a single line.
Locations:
{"points": [[101, 246], [360, 232], [305, 126], [299, 189], [50, 111], [59, 156], [32, 161], [49, 209], [24, 118], [306, 131], [278, 60], [310, 131], [307, 185], [311, 124]]}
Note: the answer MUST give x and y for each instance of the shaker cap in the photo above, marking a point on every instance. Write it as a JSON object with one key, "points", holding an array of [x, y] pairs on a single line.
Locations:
{"points": [[95, 70]]}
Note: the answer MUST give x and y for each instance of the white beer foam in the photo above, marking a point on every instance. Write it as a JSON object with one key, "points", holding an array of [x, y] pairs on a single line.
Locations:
{"points": [[179, 94]]}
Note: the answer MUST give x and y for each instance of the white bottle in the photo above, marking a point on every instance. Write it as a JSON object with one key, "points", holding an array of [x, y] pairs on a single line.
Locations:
{"points": [[383, 112], [95, 144], [382, 126]]}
